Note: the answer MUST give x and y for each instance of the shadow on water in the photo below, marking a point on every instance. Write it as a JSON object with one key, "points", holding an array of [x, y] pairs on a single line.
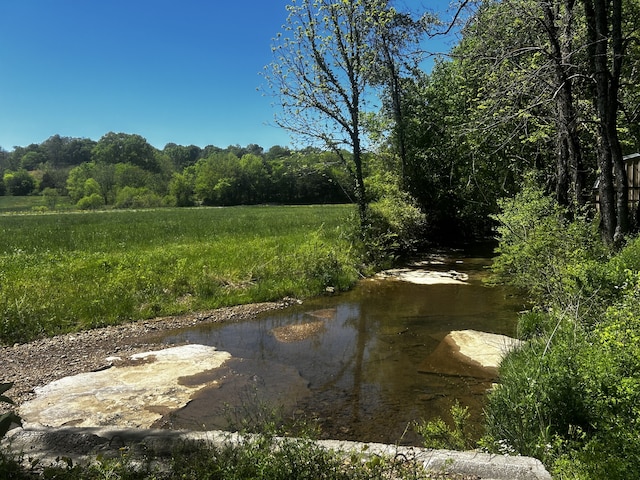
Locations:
{"points": [[352, 361]]}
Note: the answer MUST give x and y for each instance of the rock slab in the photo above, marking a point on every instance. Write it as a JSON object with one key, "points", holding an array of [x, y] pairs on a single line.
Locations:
{"points": [[469, 353], [134, 392]]}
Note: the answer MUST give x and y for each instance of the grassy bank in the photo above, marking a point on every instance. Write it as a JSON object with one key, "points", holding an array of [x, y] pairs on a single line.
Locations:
{"points": [[61, 272]]}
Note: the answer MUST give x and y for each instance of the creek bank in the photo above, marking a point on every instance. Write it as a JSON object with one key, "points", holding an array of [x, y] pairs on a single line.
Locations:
{"points": [[35, 364]]}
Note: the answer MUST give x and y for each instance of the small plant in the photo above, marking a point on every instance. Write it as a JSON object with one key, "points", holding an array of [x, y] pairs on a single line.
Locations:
{"points": [[438, 434]]}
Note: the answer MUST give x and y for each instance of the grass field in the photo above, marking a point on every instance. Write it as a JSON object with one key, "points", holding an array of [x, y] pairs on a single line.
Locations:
{"points": [[62, 272], [11, 204]]}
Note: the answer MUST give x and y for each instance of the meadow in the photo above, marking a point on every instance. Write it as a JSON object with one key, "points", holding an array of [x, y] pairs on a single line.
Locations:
{"points": [[67, 271]]}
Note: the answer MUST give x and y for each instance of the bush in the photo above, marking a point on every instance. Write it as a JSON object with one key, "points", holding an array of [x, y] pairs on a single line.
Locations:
{"points": [[439, 435], [92, 202], [539, 400], [540, 250], [396, 228], [571, 395], [130, 197]]}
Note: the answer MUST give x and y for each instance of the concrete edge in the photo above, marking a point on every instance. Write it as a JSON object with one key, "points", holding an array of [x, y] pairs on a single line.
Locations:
{"points": [[83, 445]]}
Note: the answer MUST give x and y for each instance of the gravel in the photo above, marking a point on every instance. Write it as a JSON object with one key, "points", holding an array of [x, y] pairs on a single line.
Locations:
{"points": [[40, 362]]}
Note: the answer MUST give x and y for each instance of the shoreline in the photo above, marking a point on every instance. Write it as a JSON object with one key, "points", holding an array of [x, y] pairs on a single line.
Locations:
{"points": [[37, 363]]}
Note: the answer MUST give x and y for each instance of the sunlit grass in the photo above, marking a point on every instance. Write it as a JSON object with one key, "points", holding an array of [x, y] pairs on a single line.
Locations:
{"points": [[13, 204], [69, 271]]}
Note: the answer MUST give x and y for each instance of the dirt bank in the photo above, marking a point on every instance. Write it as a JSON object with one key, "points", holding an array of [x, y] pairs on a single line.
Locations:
{"points": [[37, 363]]}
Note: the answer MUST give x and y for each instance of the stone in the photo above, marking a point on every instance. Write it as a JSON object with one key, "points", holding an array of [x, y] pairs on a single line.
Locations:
{"points": [[469, 353], [425, 277], [134, 393], [298, 332]]}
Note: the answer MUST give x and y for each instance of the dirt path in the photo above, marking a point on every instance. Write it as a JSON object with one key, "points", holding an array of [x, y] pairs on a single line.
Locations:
{"points": [[37, 363]]}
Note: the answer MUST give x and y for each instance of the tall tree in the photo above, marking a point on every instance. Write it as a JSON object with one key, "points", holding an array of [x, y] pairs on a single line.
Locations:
{"points": [[321, 74], [115, 148], [606, 49], [398, 49], [558, 21]]}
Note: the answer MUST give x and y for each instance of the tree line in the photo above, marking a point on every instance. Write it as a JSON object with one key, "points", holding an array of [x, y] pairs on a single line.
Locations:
{"points": [[124, 170], [532, 85]]}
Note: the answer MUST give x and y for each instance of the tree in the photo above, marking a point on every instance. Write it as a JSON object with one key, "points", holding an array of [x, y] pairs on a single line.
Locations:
{"points": [[115, 148], [181, 156], [321, 74], [397, 44], [19, 183], [606, 48]]}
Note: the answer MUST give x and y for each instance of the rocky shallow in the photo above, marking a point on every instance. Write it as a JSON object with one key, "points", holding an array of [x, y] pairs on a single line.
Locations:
{"points": [[40, 362]]}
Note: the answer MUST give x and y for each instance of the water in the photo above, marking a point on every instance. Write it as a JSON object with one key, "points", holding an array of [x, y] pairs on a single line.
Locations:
{"points": [[351, 361]]}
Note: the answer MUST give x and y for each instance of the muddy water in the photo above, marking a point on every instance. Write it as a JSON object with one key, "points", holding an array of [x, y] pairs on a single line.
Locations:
{"points": [[352, 361]]}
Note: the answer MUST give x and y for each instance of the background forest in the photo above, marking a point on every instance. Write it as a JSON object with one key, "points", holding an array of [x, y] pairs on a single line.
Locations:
{"points": [[514, 132]]}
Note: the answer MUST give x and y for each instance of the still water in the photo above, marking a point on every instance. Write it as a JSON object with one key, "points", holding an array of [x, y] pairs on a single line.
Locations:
{"points": [[352, 362]]}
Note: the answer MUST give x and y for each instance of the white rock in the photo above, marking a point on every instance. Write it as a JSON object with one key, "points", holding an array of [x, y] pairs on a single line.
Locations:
{"points": [[135, 393]]}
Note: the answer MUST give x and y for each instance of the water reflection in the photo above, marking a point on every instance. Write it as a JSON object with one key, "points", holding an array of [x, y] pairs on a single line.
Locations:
{"points": [[352, 361]]}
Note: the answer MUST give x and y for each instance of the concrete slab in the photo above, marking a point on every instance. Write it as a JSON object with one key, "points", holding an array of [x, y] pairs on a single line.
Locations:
{"points": [[82, 445]]}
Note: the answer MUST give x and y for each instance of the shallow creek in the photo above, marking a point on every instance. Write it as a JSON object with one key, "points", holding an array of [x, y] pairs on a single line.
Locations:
{"points": [[352, 361]]}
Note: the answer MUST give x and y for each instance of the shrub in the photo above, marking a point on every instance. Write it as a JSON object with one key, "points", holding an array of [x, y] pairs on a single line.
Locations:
{"points": [[142, 197], [540, 250], [570, 396], [396, 228], [438, 434], [92, 202]]}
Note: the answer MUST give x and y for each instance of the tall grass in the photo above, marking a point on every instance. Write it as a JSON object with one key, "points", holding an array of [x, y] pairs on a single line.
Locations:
{"points": [[69, 271]]}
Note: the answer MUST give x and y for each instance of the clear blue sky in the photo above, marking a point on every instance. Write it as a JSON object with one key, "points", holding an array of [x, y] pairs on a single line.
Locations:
{"points": [[182, 71]]}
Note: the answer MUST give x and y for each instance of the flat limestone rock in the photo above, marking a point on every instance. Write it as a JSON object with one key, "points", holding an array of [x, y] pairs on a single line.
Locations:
{"points": [[425, 277], [469, 353], [134, 393]]}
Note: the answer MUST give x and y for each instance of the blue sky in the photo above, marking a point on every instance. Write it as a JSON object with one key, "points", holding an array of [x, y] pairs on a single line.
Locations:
{"points": [[182, 71]]}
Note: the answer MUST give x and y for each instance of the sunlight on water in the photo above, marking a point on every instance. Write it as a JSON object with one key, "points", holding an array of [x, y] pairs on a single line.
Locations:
{"points": [[352, 361]]}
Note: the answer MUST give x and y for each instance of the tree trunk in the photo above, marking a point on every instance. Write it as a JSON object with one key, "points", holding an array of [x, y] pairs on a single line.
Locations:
{"points": [[570, 181], [606, 55]]}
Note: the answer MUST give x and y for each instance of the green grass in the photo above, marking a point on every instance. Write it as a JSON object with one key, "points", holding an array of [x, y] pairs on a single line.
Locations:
{"points": [[11, 204], [62, 272]]}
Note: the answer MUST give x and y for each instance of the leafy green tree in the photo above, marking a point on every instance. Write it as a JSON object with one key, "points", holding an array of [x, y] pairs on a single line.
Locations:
{"points": [[181, 189], [216, 179], [321, 75], [115, 148], [32, 160], [181, 156], [51, 197], [91, 202], [253, 179], [607, 52], [19, 183], [76, 180]]}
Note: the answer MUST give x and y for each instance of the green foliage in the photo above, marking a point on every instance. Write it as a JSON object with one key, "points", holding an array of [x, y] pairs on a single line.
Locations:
{"points": [[397, 226], [51, 196], [540, 250], [93, 201], [142, 197], [439, 435], [64, 272], [18, 183], [570, 395]]}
